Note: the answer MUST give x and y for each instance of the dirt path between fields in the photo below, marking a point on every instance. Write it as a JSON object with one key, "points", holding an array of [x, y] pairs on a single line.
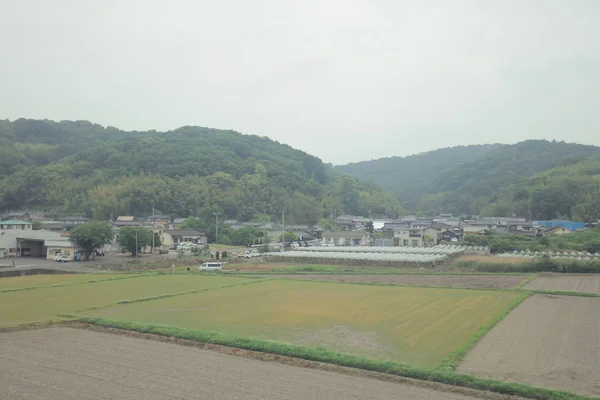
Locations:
{"points": [[548, 341], [588, 283], [458, 281], [67, 363]]}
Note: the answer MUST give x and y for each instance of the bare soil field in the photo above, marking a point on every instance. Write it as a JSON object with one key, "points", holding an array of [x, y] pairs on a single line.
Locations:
{"points": [[568, 283], [549, 341], [66, 363], [458, 281]]}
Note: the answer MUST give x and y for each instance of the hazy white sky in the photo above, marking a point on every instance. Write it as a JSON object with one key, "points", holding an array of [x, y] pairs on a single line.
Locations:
{"points": [[345, 80]]}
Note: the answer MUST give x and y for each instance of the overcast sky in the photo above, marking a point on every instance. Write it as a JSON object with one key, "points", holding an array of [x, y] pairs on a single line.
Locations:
{"points": [[344, 80]]}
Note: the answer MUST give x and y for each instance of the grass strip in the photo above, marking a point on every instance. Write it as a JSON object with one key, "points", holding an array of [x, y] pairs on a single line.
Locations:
{"points": [[331, 357], [451, 362], [75, 283], [560, 293], [373, 272], [526, 281], [162, 296]]}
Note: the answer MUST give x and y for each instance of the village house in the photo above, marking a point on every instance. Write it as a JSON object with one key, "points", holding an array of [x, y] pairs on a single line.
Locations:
{"points": [[36, 244], [346, 238], [171, 238], [15, 225], [414, 236]]}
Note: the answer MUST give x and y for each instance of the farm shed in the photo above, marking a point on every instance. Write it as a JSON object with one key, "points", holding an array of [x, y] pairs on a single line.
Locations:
{"points": [[64, 247]]}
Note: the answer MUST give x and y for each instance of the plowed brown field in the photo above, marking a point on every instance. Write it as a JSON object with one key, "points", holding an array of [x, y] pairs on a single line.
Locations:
{"points": [[567, 283], [67, 363], [548, 341]]}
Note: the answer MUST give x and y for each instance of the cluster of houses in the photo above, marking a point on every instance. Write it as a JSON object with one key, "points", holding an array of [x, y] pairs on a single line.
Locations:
{"points": [[19, 238], [422, 232]]}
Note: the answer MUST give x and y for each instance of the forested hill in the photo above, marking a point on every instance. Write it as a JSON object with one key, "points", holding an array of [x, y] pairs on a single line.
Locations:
{"points": [[86, 169], [524, 178], [409, 178]]}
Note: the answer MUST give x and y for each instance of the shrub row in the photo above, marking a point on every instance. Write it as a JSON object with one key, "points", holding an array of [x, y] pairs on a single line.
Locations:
{"points": [[347, 360], [542, 265]]}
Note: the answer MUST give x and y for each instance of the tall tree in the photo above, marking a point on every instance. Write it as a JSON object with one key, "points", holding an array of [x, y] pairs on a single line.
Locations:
{"points": [[134, 239], [91, 235]]}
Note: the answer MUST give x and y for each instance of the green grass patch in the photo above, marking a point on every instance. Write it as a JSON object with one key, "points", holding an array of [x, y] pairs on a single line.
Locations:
{"points": [[409, 324], [43, 303], [29, 282], [308, 268], [561, 293], [525, 281], [164, 296], [332, 357], [454, 359]]}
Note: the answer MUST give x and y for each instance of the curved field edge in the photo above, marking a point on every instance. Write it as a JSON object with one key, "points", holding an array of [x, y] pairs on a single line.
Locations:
{"points": [[453, 360], [331, 357]]}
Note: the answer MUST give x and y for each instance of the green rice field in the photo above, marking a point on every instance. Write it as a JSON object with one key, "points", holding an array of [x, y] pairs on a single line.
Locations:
{"points": [[420, 326], [43, 303]]}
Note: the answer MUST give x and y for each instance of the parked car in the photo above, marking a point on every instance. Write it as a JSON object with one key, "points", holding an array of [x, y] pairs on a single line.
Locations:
{"points": [[211, 266], [99, 252], [61, 258], [184, 246]]}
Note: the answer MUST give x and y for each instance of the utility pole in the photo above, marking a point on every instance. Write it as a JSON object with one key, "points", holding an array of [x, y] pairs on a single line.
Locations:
{"points": [[283, 229], [153, 227], [217, 227], [136, 244]]}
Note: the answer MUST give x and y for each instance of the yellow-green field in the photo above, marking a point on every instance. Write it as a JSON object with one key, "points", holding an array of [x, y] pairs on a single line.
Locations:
{"points": [[19, 282], [420, 326], [43, 303]]}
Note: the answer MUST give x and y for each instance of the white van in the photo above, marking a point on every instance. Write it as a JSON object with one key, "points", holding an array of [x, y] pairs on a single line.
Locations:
{"points": [[211, 266], [184, 246]]}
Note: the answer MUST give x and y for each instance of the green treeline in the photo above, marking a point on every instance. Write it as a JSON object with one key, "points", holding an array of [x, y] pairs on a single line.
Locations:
{"points": [[536, 179], [86, 169]]}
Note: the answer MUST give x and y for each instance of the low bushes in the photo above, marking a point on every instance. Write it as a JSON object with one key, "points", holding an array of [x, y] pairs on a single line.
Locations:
{"points": [[543, 264]]}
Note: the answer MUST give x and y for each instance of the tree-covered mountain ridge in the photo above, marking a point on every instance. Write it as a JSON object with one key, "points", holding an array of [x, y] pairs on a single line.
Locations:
{"points": [[494, 180], [81, 168]]}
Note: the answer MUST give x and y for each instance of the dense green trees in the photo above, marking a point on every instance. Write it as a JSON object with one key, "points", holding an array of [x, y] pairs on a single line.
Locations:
{"points": [[91, 235], [537, 179], [134, 239], [588, 240], [85, 169]]}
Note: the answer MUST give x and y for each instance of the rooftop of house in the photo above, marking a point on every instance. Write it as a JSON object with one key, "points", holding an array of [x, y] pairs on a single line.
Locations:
{"points": [[440, 225], [179, 220], [125, 218], [185, 232], [344, 234], [59, 243], [158, 216], [480, 222], [14, 222], [127, 223], [16, 214], [73, 218]]}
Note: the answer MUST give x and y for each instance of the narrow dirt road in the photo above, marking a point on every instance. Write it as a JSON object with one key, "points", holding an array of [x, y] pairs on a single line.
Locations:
{"points": [[66, 363]]}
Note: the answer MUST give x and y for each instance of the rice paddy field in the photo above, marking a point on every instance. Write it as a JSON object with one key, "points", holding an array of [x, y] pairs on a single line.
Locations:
{"points": [[411, 325], [21, 282], [420, 332], [47, 302]]}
